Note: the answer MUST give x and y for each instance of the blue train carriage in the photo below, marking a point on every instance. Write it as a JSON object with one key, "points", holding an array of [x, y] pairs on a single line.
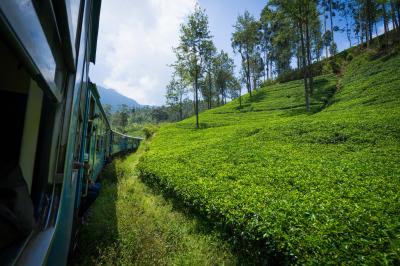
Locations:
{"points": [[97, 143], [95, 151], [122, 142], [46, 48]]}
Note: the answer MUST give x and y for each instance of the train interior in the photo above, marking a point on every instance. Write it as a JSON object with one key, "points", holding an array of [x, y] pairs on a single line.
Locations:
{"points": [[21, 183]]}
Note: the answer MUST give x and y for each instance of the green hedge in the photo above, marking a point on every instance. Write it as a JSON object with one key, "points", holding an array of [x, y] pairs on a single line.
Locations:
{"points": [[292, 187]]}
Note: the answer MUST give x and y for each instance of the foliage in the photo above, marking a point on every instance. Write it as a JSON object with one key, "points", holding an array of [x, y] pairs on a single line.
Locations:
{"points": [[224, 74], [245, 39], [149, 130], [334, 66], [120, 118], [159, 114], [194, 51], [293, 187], [176, 91]]}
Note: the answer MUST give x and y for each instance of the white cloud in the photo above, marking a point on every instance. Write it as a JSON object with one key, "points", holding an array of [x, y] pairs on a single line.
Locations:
{"points": [[135, 46]]}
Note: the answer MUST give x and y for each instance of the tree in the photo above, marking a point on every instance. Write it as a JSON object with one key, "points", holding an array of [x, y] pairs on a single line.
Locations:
{"points": [[331, 14], [256, 68], [223, 73], [317, 42], [365, 15], [194, 49], [207, 84], [328, 10], [235, 90], [394, 5], [159, 114], [207, 88], [107, 109], [303, 16], [345, 10], [244, 41], [121, 118], [385, 18], [266, 42], [176, 91], [283, 38]]}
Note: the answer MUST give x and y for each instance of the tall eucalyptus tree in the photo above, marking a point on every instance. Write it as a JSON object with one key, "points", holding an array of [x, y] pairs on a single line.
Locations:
{"points": [[194, 49], [223, 74], [245, 39]]}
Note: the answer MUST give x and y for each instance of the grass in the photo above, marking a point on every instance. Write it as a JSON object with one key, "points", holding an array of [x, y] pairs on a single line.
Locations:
{"points": [[292, 187], [131, 225]]}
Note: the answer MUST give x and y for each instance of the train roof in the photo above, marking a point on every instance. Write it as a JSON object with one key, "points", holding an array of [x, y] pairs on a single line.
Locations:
{"points": [[124, 135], [96, 6]]}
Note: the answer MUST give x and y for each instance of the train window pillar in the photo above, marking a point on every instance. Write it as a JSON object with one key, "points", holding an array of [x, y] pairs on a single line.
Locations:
{"points": [[30, 133]]}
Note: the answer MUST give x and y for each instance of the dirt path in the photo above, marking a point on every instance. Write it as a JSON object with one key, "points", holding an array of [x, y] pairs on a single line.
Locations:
{"points": [[131, 225]]}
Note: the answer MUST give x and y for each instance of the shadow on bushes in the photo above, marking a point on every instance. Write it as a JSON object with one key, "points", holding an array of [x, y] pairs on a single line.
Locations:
{"points": [[251, 248]]}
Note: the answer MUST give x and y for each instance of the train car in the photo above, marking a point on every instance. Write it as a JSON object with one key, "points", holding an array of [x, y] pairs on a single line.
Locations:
{"points": [[55, 136], [122, 142]]}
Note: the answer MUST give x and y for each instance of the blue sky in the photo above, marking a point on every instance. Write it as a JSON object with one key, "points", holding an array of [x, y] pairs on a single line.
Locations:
{"points": [[136, 39], [222, 15]]}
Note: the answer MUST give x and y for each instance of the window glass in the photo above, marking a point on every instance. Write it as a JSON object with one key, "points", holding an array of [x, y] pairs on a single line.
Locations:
{"points": [[73, 7], [23, 19]]}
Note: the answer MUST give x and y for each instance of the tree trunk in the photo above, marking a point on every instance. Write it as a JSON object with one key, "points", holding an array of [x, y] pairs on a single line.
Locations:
{"points": [[348, 30], [385, 25], [248, 75], [370, 20], [361, 30], [298, 61], [398, 13], [271, 74], [366, 34], [393, 14], [265, 60], [221, 91], [309, 58], [180, 109], [209, 91], [223, 95], [330, 11], [303, 55], [196, 99], [240, 97], [326, 47], [348, 36]]}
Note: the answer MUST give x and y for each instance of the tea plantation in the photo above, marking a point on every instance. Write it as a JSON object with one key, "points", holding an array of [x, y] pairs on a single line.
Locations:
{"points": [[291, 187]]}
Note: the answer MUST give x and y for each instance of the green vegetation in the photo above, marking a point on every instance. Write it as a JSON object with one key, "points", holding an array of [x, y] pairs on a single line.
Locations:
{"points": [[290, 186], [130, 225]]}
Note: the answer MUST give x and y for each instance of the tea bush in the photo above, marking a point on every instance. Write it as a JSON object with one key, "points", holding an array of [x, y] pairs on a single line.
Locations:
{"points": [[319, 188]]}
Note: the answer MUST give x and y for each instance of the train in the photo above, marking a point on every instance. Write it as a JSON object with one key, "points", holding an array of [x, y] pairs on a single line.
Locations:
{"points": [[55, 136]]}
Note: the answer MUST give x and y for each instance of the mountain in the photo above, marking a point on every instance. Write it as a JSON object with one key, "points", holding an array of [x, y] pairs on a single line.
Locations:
{"points": [[115, 99]]}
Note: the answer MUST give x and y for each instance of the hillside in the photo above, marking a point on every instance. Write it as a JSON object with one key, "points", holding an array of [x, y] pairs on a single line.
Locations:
{"points": [[292, 187], [115, 99]]}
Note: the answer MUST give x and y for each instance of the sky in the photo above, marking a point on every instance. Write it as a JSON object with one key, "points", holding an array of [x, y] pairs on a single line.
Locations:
{"points": [[134, 48]]}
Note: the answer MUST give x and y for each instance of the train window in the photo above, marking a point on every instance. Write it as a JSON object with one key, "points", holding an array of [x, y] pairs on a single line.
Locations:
{"points": [[20, 112], [73, 7], [21, 105], [23, 19]]}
